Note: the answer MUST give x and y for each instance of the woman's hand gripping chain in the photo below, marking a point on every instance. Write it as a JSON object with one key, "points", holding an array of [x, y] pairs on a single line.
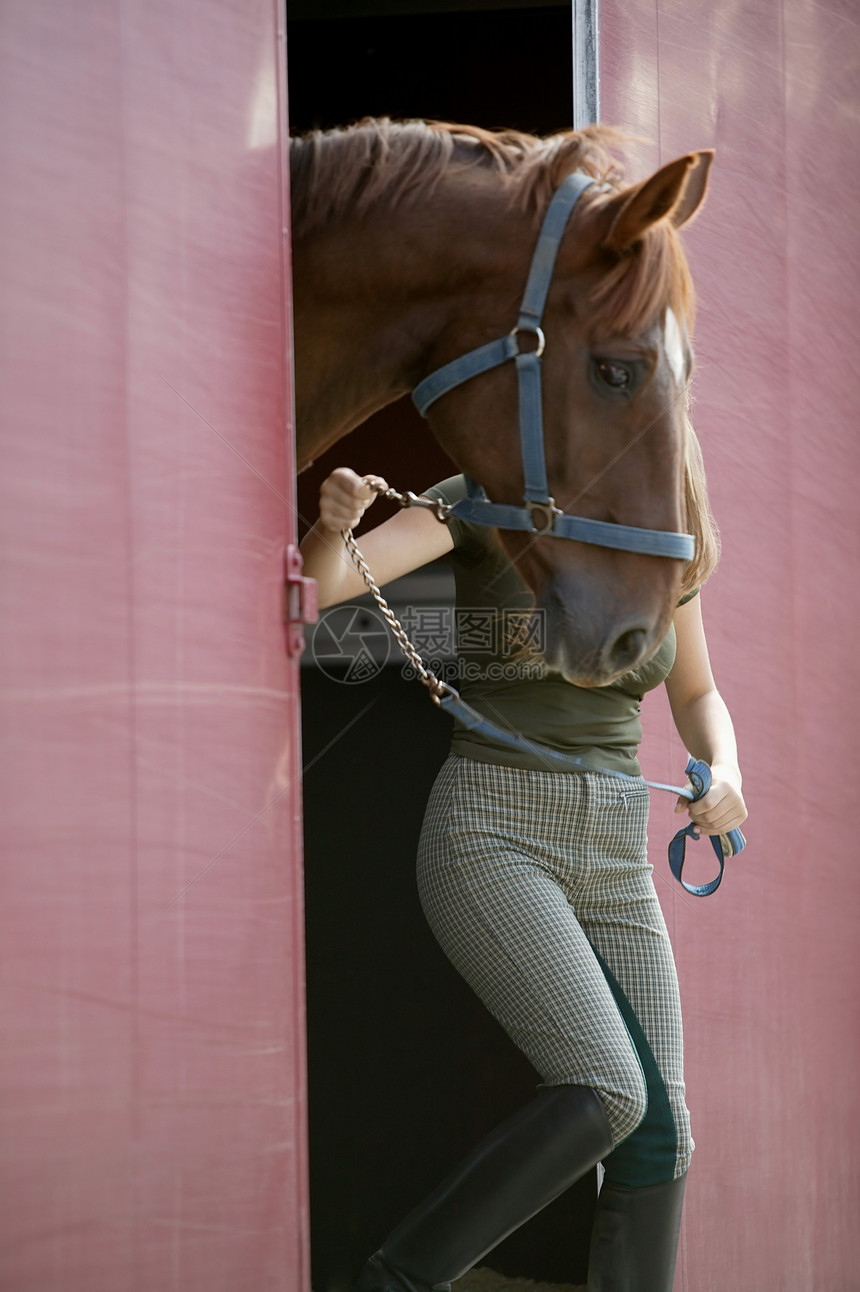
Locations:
{"points": [[345, 497]]}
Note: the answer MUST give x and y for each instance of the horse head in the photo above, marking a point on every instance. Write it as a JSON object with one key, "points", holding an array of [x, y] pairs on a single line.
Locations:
{"points": [[615, 373]]}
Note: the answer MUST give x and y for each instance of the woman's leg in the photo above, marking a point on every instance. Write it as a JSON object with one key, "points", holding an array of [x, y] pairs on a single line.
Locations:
{"points": [[634, 1241], [516, 1170], [491, 897], [635, 1236], [497, 869]]}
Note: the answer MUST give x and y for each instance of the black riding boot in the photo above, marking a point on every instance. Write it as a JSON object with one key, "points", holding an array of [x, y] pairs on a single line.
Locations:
{"points": [[634, 1242], [519, 1168]]}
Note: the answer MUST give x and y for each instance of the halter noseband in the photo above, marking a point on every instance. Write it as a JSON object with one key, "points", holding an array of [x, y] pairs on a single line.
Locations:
{"points": [[539, 514]]}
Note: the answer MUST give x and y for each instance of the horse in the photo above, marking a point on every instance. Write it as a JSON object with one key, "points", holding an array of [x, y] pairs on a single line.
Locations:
{"points": [[411, 247]]}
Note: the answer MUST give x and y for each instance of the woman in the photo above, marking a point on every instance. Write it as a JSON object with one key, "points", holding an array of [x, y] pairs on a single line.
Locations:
{"points": [[537, 886]]}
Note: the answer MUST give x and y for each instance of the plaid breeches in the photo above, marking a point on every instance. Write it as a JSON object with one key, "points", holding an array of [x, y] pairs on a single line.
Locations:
{"points": [[538, 889]]}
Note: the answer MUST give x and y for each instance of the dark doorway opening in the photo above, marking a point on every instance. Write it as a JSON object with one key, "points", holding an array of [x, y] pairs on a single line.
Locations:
{"points": [[406, 1068]]}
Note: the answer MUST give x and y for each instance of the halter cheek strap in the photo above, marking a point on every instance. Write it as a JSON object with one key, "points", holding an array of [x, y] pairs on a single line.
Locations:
{"points": [[539, 514]]}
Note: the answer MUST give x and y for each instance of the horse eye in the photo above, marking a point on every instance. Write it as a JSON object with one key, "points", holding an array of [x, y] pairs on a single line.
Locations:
{"points": [[613, 374]]}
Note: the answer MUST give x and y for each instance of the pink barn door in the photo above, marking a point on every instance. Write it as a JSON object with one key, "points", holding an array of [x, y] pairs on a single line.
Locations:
{"points": [[768, 964], [152, 1058]]}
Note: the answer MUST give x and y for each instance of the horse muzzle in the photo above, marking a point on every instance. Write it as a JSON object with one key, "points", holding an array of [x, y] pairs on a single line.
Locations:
{"points": [[593, 644]]}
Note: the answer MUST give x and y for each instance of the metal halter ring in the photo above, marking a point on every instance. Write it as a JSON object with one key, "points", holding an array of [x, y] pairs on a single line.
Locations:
{"points": [[535, 331], [543, 515]]}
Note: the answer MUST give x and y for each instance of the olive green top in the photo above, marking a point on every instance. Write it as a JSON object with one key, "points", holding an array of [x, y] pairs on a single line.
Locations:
{"points": [[502, 676]]}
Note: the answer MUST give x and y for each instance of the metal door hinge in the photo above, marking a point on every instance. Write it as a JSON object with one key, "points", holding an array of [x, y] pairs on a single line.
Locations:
{"points": [[300, 601]]}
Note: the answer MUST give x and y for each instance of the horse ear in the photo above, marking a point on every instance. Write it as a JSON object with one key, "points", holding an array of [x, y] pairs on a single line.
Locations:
{"points": [[695, 188], [674, 192]]}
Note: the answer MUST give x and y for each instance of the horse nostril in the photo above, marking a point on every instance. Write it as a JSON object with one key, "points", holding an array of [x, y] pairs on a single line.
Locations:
{"points": [[628, 648]]}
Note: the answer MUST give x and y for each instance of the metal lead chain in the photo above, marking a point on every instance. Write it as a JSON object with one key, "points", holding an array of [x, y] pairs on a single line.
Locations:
{"points": [[441, 510], [436, 687]]}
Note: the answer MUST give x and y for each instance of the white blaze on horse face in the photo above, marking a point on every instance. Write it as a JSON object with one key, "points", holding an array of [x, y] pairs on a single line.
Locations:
{"points": [[673, 342]]}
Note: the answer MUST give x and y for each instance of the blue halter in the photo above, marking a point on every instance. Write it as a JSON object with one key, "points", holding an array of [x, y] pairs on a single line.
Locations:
{"points": [[539, 514]]}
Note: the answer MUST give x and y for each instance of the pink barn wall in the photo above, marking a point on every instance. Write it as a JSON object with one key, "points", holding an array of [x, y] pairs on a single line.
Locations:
{"points": [[151, 925], [768, 965]]}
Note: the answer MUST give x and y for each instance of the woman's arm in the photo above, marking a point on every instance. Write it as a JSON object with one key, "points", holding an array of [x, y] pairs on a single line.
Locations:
{"points": [[704, 725], [409, 540]]}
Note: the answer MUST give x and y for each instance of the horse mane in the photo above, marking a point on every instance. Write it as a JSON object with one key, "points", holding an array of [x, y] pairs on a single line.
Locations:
{"points": [[382, 165]]}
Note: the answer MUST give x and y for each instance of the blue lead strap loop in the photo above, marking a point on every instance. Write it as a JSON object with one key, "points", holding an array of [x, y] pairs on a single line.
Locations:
{"points": [[724, 845]]}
